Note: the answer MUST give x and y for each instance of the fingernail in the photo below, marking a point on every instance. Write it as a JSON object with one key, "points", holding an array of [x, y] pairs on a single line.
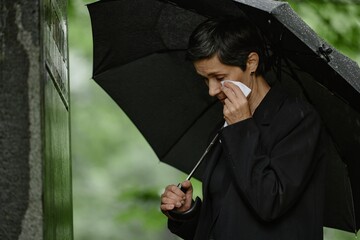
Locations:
{"points": [[178, 204], [182, 202]]}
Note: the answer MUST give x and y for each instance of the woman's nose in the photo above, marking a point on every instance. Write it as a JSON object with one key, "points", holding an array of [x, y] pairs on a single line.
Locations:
{"points": [[214, 87]]}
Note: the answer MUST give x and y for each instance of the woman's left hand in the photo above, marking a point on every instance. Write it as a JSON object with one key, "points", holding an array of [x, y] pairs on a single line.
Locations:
{"points": [[236, 105]]}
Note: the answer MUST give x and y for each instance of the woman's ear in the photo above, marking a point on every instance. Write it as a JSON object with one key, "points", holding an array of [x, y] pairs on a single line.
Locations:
{"points": [[252, 62]]}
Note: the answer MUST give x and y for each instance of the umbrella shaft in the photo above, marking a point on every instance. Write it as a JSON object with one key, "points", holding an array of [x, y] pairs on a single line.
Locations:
{"points": [[202, 157]]}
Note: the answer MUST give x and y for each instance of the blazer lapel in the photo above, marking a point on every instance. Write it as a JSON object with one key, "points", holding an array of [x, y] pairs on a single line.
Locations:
{"points": [[211, 162], [272, 102], [225, 183]]}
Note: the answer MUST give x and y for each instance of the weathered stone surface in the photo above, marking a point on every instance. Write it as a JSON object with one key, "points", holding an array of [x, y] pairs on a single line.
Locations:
{"points": [[27, 128], [19, 51]]}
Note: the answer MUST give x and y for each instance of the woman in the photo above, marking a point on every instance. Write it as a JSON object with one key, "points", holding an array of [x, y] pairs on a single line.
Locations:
{"points": [[264, 177]]}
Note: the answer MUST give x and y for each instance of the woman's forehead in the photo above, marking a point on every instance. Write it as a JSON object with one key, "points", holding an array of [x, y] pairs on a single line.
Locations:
{"points": [[211, 66]]}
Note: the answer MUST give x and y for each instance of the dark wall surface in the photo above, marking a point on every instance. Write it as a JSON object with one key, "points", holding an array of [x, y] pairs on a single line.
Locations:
{"points": [[17, 37], [35, 164]]}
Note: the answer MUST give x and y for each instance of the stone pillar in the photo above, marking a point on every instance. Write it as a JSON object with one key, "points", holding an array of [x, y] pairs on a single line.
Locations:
{"points": [[35, 165]]}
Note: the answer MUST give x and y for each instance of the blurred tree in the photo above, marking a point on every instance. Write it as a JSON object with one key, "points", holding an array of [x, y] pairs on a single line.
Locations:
{"points": [[117, 177], [336, 21]]}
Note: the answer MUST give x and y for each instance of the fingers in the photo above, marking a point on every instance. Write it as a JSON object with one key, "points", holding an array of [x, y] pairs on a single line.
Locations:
{"points": [[233, 92], [186, 185], [235, 113], [168, 204], [236, 106], [172, 198], [235, 97]]}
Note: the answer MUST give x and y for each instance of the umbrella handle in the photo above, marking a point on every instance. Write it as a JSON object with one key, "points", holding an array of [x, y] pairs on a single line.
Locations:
{"points": [[195, 206], [188, 214]]}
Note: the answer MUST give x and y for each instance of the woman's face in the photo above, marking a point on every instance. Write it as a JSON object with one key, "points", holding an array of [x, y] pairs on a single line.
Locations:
{"points": [[214, 72]]}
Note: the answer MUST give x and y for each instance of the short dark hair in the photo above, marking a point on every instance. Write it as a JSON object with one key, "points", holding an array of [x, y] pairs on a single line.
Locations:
{"points": [[232, 39]]}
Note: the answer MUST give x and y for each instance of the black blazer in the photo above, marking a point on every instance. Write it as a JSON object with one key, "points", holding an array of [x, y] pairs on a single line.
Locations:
{"points": [[274, 179]]}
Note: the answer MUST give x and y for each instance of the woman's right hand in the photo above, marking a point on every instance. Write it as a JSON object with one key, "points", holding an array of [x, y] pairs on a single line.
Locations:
{"points": [[174, 198]]}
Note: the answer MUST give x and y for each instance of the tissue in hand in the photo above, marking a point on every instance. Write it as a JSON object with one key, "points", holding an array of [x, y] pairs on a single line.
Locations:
{"points": [[242, 86]]}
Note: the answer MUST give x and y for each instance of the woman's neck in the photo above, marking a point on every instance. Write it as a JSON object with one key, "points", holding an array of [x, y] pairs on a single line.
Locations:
{"points": [[259, 90]]}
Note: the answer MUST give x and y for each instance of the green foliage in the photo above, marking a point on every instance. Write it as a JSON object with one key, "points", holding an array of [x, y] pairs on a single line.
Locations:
{"points": [[338, 22], [143, 205], [80, 27]]}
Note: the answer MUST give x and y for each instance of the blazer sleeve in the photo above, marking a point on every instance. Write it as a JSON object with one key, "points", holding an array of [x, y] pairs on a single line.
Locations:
{"points": [[271, 175], [185, 230]]}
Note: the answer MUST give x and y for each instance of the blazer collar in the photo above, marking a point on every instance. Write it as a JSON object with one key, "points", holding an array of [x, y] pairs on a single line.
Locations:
{"points": [[271, 103]]}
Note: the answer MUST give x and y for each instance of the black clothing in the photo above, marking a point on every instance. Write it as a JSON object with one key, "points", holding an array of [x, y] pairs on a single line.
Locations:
{"points": [[271, 170]]}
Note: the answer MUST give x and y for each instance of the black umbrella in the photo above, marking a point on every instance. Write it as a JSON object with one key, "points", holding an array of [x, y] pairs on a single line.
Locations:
{"points": [[139, 61]]}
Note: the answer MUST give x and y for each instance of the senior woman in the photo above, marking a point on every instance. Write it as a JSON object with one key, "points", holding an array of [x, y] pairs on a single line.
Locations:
{"points": [[264, 178]]}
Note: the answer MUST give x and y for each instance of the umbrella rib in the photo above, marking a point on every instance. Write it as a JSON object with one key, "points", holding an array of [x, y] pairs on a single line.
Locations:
{"points": [[301, 53], [296, 78], [350, 202], [122, 64], [187, 129]]}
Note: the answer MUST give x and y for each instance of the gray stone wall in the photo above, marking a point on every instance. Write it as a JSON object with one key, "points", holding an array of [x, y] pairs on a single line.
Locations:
{"points": [[20, 132], [27, 96]]}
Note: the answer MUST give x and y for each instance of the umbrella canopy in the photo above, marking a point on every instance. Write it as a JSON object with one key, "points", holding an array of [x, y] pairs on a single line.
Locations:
{"points": [[139, 60]]}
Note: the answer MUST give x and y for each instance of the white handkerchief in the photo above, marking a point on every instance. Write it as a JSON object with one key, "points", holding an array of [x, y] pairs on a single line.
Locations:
{"points": [[242, 87]]}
